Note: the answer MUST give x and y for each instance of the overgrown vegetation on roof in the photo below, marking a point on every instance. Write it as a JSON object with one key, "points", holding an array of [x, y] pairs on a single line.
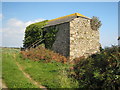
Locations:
{"points": [[33, 33], [95, 23]]}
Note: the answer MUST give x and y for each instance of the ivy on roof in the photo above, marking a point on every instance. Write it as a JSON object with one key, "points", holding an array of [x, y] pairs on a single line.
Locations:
{"points": [[33, 33]]}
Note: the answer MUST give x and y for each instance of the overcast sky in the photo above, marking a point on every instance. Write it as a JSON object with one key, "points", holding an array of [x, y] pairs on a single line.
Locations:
{"points": [[16, 16]]}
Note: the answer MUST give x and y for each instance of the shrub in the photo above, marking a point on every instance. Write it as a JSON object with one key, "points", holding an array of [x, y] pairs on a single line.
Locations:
{"points": [[99, 70], [40, 53], [65, 81], [95, 23]]}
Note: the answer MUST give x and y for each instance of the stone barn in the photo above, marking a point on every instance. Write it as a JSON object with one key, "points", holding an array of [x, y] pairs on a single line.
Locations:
{"points": [[75, 37]]}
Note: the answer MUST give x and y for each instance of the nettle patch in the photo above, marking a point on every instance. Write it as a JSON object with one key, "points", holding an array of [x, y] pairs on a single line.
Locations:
{"points": [[95, 23]]}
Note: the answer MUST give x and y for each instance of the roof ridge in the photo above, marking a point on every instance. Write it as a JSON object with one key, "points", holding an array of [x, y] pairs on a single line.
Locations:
{"points": [[76, 14], [62, 17]]}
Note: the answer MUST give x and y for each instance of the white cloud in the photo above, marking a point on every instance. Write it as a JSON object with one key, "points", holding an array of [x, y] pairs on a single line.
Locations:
{"points": [[13, 32], [15, 23]]}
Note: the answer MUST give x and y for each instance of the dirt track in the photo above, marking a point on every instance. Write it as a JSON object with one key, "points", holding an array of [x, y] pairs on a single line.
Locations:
{"points": [[28, 76]]}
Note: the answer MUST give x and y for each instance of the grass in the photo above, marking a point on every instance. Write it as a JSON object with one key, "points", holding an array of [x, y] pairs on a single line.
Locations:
{"points": [[50, 75], [45, 73], [11, 75], [97, 71]]}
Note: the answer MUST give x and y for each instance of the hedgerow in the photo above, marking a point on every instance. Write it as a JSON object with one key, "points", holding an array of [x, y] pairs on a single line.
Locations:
{"points": [[100, 70]]}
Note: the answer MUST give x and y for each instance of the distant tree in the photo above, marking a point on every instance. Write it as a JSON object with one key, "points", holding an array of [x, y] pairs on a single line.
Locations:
{"points": [[95, 23], [33, 33]]}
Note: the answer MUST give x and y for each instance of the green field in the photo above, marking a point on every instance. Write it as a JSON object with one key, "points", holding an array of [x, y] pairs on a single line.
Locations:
{"points": [[50, 75], [101, 70], [11, 75]]}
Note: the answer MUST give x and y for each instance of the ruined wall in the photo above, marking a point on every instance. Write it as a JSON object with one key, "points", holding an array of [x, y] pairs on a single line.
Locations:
{"points": [[62, 42], [83, 40]]}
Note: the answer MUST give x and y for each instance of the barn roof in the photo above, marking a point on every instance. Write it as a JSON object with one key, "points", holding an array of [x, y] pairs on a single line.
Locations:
{"points": [[64, 19]]}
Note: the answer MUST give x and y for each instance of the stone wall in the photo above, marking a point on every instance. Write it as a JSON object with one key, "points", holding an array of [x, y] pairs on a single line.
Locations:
{"points": [[76, 39], [83, 40], [62, 42]]}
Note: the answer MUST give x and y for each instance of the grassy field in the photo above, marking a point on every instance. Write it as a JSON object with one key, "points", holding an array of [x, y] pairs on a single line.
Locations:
{"points": [[96, 71], [47, 74], [11, 75], [50, 75]]}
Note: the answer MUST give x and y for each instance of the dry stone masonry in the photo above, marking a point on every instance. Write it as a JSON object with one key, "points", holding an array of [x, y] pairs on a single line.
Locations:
{"points": [[75, 37], [83, 40]]}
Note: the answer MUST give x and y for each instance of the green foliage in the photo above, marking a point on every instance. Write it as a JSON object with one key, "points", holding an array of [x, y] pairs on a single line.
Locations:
{"points": [[99, 70], [33, 33], [95, 23], [50, 37], [50, 74], [65, 81]]}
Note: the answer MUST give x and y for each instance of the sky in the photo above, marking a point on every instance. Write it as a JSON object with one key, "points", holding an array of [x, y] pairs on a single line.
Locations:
{"points": [[17, 15]]}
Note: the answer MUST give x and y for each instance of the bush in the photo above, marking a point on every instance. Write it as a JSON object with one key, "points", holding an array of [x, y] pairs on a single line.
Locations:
{"points": [[95, 23], [99, 70], [40, 53], [65, 81]]}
